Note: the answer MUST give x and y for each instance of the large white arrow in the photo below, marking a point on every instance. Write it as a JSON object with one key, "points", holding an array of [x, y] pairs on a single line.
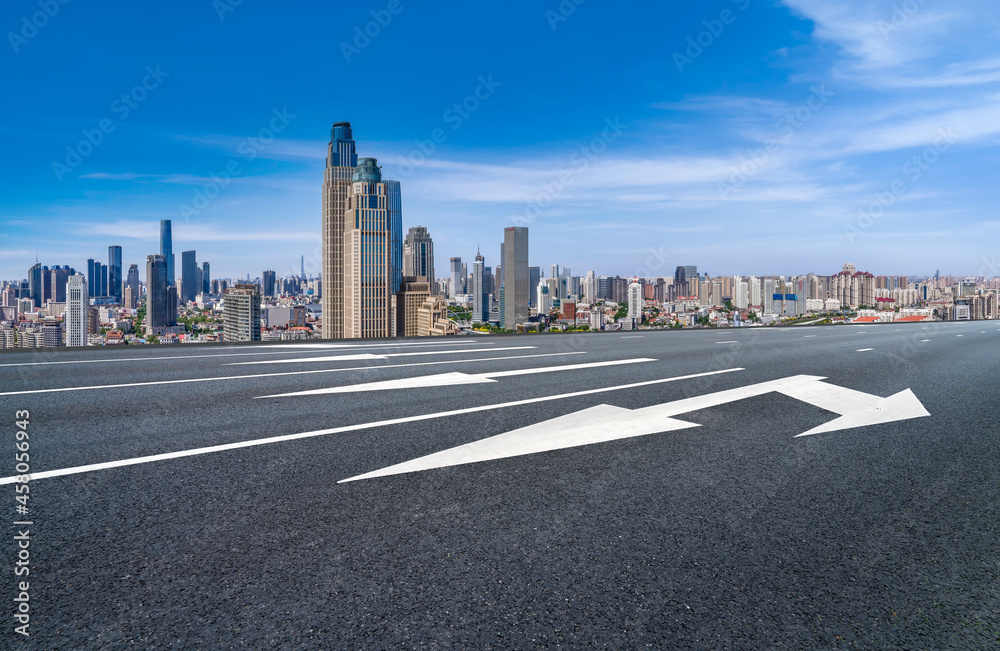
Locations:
{"points": [[607, 423], [455, 378]]}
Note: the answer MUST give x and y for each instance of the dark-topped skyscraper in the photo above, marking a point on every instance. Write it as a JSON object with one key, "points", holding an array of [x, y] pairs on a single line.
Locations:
{"points": [[190, 281], [167, 248], [341, 159], [418, 254], [157, 310], [115, 279]]}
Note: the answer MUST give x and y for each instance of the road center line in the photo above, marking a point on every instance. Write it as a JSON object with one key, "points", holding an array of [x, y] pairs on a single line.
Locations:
{"points": [[337, 430], [260, 375]]}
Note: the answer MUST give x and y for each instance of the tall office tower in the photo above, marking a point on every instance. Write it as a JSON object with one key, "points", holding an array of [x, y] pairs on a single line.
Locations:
{"points": [[76, 311], [480, 297], [132, 281], [456, 277], [489, 292], [189, 276], [302, 267], [241, 313], [60, 276], [167, 248], [515, 276], [157, 309], [394, 222], [589, 287], [341, 160], [35, 284], [268, 278], [418, 254], [534, 277], [115, 278], [369, 276], [635, 299], [206, 278], [93, 281]]}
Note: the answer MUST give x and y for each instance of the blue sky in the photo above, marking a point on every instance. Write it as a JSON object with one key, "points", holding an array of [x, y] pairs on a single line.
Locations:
{"points": [[746, 136]]}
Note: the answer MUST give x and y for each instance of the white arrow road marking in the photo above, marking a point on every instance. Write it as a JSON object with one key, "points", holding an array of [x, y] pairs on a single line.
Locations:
{"points": [[361, 356], [260, 375], [607, 423], [452, 379], [45, 474]]}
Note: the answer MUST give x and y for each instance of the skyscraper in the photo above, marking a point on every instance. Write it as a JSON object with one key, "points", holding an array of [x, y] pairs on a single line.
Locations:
{"points": [[93, 277], [241, 313], [157, 309], [57, 283], [35, 284], [268, 281], [635, 299], [369, 277], [132, 282], [456, 277], [206, 278], [515, 276], [167, 248], [77, 304], [418, 254], [341, 160], [534, 277], [189, 276], [682, 276], [480, 296], [115, 279]]}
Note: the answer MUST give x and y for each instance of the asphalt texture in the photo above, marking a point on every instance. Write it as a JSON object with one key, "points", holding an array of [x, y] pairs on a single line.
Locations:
{"points": [[731, 535]]}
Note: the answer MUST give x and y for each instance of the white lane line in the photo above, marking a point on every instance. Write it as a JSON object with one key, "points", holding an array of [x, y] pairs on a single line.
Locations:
{"points": [[727, 342], [453, 379], [260, 375], [959, 335], [632, 337], [269, 352], [361, 356], [863, 350], [349, 428], [808, 336], [924, 341]]}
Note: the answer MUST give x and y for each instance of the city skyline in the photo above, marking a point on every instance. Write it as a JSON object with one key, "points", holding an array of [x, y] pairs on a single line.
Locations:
{"points": [[792, 94]]}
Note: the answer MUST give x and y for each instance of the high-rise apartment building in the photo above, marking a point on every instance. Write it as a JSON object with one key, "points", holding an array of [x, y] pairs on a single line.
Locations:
{"points": [[167, 248], [341, 161], [635, 299], [77, 303], [116, 281], [515, 276], [241, 313]]}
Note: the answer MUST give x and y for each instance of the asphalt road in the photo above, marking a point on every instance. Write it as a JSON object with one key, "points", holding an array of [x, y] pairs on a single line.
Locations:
{"points": [[735, 534]]}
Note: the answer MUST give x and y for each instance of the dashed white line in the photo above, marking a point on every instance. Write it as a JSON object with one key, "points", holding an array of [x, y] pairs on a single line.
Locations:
{"points": [[245, 377], [863, 350], [924, 341], [727, 342]]}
